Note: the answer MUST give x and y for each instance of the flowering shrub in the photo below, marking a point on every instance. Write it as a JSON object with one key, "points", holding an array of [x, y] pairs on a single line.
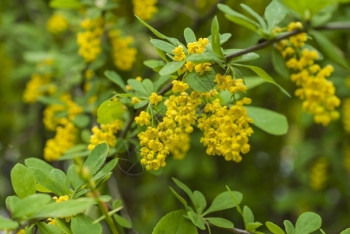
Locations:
{"points": [[189, 97]]}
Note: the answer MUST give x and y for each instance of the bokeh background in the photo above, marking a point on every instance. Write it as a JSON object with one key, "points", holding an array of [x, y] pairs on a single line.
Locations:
{"points": [[308, 169]]}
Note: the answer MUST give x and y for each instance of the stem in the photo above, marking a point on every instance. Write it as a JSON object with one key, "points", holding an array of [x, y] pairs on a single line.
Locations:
{"points": [[239, 231], [102, 207]]}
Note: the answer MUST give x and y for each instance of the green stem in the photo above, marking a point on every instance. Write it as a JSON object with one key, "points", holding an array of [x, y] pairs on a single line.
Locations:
{"points": [[103, 208]]}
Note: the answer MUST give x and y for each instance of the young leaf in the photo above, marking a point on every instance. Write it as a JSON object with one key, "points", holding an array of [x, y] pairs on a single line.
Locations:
{"points": [[96, 158], [238, 18], [268, 121], [274, 228], [248, 215], [255, 15], [263, 74], [196, 219], [274, 14], [253, 226], [45, 228], [189, 35], [171, 67], [122, 221], [215, 38], [346, 231], [327, 47], [149, 87], [110, 111], [278, 64], [106, 169], [116, 79], [253, 81], [181, 199], [305, 8], [7, 224], [307, 223], [184, 187], [199, 201], [174, 222], [201, 83], [82, 224], [220, 222], [64, 209], [23, 181], [289, 227], [224, 201], [30, 205], [162, 45], [138, 87]]}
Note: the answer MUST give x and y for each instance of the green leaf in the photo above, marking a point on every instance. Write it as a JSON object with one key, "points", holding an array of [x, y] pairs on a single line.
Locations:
{"points": [[181, 199], [202, 58], [175, 223], [11, 202], [109, 111], [97, 158], [268, 121], [162, 45], [45, 228], [275, 12], [149, 87], [346, 231], [82, 224], [253, 226], [274, 228], [196, 220], [122, 221], [173, 41], [30, 205], [171, 67], [248, 215], [201, 83], [184, 187], [238, 18], [66, 4], [23, 181], [162, 80], [255, 15], [73, 176], [64, 209], [279, 64], [81, 121], [141, 104], [189, 35], [263, 74], [308, 8], [106, 168], [49, 180], [215, 38], [154, 64], [253, 81], [116, 79], [224, 201], [38, 164], [307, 223], [220, 222], [289, 227], [327, 47], [243, 58], [7, 224], [199, 201], [138, 87]]}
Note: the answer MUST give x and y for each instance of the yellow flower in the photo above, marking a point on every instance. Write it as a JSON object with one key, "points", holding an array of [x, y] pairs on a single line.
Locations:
{"points": [[145, 9], [57, 23], [106, 133], [135, 100], [143, 119], [37, 86], [179, 53], [179, 86], [154, 99], [197, 47], [225, 82], [202, 67], [61, 198], [124, 56]]}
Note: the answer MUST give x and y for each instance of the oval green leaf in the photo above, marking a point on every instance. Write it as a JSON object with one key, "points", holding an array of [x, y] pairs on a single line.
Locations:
{"points": [[175, 223], [23, 181]]}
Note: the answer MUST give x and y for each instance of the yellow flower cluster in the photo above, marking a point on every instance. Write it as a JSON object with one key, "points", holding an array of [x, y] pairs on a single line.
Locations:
{"points": [[318, 174], [154, 99], [57, 23], [64, 139], [171, 134], [226, 129], [145, 9], [105, 134], [143, 119], [89, 40], [317, 93], [197, 47], [346, 115], [38, 85], [51, 120], [123, 55], [226, 82]]}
